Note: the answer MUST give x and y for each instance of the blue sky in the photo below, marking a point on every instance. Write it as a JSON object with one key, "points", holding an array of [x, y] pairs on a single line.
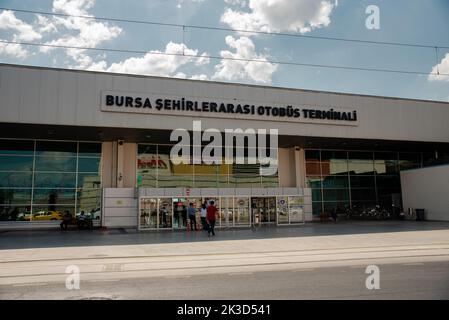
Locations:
{"points": [[405, 21]]}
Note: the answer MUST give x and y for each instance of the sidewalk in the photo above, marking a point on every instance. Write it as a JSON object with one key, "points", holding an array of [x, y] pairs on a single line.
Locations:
{"points": [[131, 254], [75, 238]]}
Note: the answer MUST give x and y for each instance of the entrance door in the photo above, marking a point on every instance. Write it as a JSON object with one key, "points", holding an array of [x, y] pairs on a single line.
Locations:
{"points": [[263, 210], [179, 213]]}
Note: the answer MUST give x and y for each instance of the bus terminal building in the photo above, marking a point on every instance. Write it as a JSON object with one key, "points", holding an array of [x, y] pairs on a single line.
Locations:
{"points": [[101, 143]]}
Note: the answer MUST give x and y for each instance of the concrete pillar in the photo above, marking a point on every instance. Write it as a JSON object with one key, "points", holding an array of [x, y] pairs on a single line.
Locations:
{"points": [[120, 163], [286, 168], [129, 165], [300, 167], [109, 164]]}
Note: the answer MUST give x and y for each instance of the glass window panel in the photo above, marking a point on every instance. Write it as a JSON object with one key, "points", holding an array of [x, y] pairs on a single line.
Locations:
{"points": [[386, 166], [410, 157], [241, 211], [336, 182], [363, 194], [359, 206], [435, 158], [223, 181], [89, 180], [148, 213], [334, 167], [316, 208], [175, 181], [146, 180], [147, 149], [206, 181], [55, 180], [362, 181], [54, 196], [56, 164], [313, 155], [336, 195], [339, 207], [16, 163], [15, 180], [316, 194], [333, 155], [270, 181], [313, 168], [386, 162], [282, 210], [87, 149], [406, 165], [296, 212], [51, 212], [15, 196], [245, 181], [361, 167], [56, 148], [89, 164], [360, 156], [15, 213], [89, 201], [385, 182], [16, 147], [314, 181]]}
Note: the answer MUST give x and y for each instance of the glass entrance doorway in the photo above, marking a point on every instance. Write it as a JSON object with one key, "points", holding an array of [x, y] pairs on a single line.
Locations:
{"points": [[156, 213], [263, 210]]}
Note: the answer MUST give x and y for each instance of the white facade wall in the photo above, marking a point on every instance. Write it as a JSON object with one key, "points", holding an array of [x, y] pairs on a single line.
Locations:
{"points": [[67, 97], [427, 188]]}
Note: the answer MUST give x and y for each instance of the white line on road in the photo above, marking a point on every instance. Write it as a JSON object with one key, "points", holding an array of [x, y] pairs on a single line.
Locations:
{"points": [[103, 280], [301, 270], [30, 284], [413, 264], [177, 277], [239, 273]]}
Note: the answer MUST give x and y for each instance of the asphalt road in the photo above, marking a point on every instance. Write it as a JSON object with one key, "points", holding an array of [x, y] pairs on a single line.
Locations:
{"points": [[422, 280]]}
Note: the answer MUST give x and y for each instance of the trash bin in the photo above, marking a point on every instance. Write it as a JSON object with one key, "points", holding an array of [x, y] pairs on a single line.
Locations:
{"points": [[419, 214]]}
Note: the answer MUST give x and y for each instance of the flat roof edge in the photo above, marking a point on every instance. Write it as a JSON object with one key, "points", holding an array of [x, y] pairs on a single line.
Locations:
{"points": [[220, 82]]}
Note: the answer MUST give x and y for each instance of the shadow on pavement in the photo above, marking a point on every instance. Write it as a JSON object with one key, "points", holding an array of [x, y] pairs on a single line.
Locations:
{"points": [[57, 238]]}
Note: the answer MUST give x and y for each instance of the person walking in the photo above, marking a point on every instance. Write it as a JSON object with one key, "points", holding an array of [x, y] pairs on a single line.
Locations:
{"points": [[210, 218], [203, 216], [191, 211], [67, 219]]}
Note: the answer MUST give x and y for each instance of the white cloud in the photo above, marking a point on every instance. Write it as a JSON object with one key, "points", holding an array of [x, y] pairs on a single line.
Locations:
{"points": [[241, 3], [13, 50], [442, 67], [281, 15], [229, 69], [45, 25], [81, 32], [181, 2], [73, 7], [199, 77], [159, 63], [25, 32]]}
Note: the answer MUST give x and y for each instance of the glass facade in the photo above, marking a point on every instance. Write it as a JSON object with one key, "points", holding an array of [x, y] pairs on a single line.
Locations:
{"points": [[342, 179], [40, 179], [233, 211], [155, 169]]}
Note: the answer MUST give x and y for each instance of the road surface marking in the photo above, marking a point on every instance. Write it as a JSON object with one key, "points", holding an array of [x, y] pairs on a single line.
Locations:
{"points": [[30, 284], [301, 270], [413, 264], [239, 273]]}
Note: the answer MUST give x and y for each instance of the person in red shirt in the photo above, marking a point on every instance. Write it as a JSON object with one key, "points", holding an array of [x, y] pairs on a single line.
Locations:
{"points": [[210, 218]]}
